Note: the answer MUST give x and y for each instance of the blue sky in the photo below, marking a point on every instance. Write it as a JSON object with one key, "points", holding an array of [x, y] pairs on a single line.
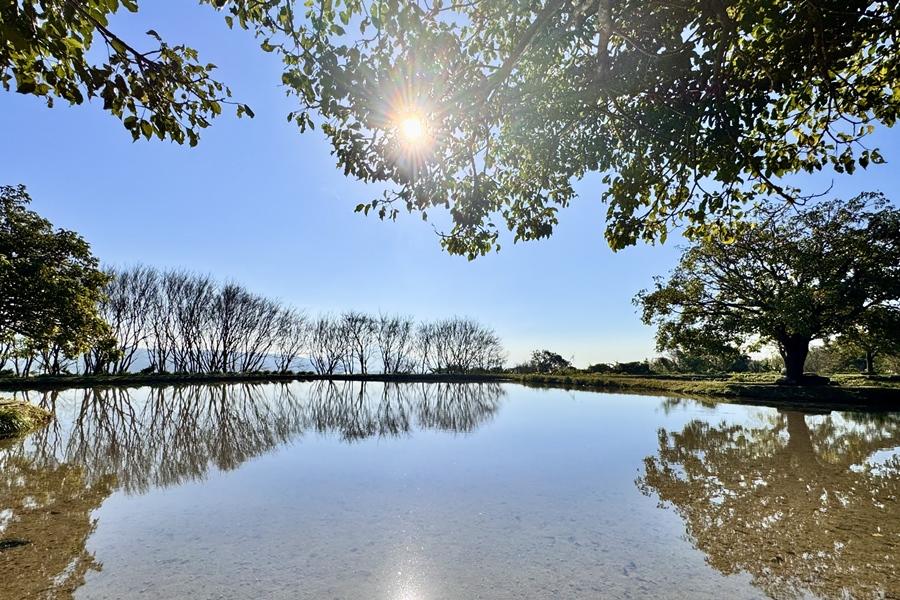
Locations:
{"points": [[259, 203]]}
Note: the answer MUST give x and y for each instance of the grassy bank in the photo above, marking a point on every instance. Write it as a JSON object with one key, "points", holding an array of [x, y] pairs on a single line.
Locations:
{"points": [[848, 391], [17, 418], [881, 393]]}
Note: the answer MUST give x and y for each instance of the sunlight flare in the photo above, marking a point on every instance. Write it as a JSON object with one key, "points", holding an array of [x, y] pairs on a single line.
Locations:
{"points": [[413, 128], [414, 135]]}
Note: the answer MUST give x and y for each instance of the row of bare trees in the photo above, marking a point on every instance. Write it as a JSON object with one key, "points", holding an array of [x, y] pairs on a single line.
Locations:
{"points": [[176, 321], [356, 342], [184, 322]]}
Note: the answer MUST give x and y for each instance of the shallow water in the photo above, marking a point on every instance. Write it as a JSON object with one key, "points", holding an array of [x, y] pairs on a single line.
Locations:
{"points": [[427, 492]]}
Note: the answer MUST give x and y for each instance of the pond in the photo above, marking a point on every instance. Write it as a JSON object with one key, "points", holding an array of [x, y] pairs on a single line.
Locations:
{"points": [[328, 490]]}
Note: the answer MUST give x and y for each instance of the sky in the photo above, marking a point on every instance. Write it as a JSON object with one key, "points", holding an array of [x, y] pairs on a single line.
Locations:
{"points": [[259, 203]]}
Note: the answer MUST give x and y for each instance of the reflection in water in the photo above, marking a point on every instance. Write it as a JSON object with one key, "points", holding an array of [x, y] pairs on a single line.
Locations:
{"points": [[540, 505], [45, 520], [797, 501], [166, 436], [352, 412], [131, 440]]}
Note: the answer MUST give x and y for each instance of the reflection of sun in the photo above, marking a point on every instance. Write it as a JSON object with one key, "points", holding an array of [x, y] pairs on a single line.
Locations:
{"points": [[409, 585]]}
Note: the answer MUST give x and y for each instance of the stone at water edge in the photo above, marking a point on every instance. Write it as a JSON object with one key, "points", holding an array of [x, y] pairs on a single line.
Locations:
{"points": [[9, 543]]}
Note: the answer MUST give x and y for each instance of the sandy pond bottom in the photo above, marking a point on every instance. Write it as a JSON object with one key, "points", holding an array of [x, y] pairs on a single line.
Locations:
{"points": [[456, 491]]}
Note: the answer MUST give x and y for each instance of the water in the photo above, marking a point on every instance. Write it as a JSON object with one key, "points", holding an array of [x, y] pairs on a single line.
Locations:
{"points": [[428, 492]]}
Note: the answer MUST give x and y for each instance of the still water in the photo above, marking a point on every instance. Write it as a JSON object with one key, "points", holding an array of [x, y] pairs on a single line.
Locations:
{"points": [[454, 491]]}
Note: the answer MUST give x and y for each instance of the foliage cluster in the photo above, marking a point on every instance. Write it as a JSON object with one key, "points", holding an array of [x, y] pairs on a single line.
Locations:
{"points": [[641, 367], [50, 284], [59, 49], [544, 361]]}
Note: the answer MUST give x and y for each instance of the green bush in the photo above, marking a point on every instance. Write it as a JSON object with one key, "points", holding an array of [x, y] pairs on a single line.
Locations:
{"points": [[17, 418]]}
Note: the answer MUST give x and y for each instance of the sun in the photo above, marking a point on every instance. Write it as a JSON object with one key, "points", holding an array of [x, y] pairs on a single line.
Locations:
{"points": [[412, 129], [413, 133]]}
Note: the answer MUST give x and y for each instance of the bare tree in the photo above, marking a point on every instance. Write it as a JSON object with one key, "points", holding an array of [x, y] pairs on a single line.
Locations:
{"points": [[359, 330], [394, 339], [222, 337], [162, 325], [424, 347], [52, 359], [259, 332], [327, 346], [128, 310], [293, 336], [191, 303], [459, 345]]}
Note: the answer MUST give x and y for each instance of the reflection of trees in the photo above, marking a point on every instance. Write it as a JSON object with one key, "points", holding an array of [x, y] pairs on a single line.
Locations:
{"points": [[107, 439], [804, 509], [350, 410], [168, 435], [45, 520]]}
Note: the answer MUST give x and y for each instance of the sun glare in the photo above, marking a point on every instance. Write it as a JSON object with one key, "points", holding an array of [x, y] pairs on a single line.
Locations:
{"points": [[413, 133], [412, 129]]}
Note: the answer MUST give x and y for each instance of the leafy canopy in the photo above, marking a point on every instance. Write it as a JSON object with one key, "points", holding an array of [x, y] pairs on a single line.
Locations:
{"points": [[816, 273], [690, 111], [64, 49], [877, 333], [50, 283]]}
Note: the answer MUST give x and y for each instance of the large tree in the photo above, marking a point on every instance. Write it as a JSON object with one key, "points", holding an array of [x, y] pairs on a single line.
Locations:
{"points": [[50, 283], [815, 273], [493, 108]]}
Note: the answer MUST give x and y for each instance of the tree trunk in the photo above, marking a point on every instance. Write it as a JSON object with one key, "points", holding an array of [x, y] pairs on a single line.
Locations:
{"points": [[794, 350], [870, 362]]}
